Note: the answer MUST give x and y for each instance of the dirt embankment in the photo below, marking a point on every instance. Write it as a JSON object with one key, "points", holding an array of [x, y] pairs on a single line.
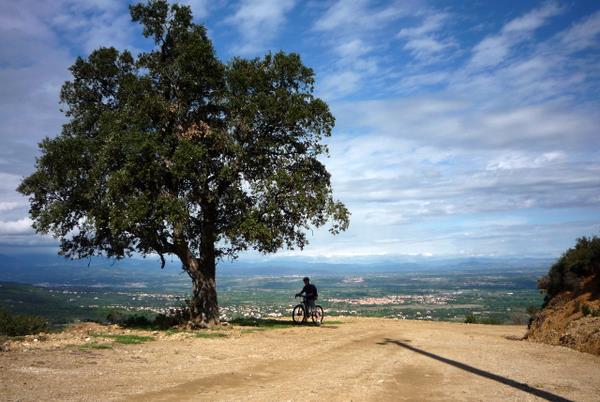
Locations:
{"points": [[571, 319], [571, 314], [351, 359]]}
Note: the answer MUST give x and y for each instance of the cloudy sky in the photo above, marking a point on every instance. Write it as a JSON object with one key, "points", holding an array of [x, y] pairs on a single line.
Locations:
{"points": [[463, 128]]}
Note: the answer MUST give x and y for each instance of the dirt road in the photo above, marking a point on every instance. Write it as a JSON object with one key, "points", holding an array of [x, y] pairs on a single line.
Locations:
{"points": [[357, 359]]}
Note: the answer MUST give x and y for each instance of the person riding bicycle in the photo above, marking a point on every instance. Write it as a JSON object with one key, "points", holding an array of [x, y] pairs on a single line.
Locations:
{"points": [[309, 291]]}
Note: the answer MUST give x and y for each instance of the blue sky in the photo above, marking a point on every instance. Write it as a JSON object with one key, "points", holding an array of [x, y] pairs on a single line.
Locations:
{"points": [[463, 128]]}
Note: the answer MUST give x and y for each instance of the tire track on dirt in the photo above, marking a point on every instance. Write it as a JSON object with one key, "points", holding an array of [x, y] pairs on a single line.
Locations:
{"points": [[356, 353]]}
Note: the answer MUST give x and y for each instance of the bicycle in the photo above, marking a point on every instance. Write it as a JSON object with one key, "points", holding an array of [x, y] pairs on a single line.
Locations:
{"points": [[300, 313]]}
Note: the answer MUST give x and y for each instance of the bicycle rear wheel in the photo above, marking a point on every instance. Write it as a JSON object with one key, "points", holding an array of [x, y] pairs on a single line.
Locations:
{"points": [[298, 314], [317, 315]]}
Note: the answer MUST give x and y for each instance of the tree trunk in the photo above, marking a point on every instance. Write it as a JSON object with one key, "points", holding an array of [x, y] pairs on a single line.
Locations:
{"points": [[204, 308]]}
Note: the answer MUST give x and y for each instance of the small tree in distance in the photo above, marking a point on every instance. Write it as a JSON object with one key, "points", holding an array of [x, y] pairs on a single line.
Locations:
{"points": [[174, 152]]}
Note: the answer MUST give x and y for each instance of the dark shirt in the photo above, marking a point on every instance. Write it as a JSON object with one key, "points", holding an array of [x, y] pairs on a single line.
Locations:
{"points": [[310, 291]]}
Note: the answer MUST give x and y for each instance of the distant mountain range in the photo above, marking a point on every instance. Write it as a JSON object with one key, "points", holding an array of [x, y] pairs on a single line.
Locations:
{"points": [[53, 269]]}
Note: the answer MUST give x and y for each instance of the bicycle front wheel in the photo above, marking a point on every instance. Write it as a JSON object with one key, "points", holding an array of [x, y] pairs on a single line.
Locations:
{"points": [[298, 314], [317, 315]]}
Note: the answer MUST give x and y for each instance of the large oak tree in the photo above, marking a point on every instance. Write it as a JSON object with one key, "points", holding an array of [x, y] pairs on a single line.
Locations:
{"points": [[174, 152]]}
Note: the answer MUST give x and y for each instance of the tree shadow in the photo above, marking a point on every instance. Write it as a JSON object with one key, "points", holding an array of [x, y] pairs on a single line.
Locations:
{"points": [[261, 322], [275, 323], [503, 380]]}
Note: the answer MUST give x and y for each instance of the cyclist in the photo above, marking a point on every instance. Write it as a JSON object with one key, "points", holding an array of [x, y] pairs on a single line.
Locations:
{"points": [[309, 291]]}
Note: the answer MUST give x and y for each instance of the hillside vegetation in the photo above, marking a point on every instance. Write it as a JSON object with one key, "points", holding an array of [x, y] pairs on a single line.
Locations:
{"points": [[571, 310]]}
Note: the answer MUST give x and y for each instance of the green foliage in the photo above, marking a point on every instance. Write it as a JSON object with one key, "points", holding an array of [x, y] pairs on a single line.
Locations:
{"points": [[115, 317], [124, 339], [173, 147], [261, 323], [160, 321], [470, 319], [488, 320], [577, 263], [586, 310], [131, 339], [175, 152], [18, 325], [165, 321], [210, 335], [491, 320]]}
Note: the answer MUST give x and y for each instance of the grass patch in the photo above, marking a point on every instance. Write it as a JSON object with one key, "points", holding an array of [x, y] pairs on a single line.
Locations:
{"points": [[210, 335], [124, 339], [262, 323], [252, 330], [131, 339], [96, 346]]}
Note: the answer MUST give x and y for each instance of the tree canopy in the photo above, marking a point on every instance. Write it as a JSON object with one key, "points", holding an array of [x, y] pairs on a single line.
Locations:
{"points": [[174, 152]]}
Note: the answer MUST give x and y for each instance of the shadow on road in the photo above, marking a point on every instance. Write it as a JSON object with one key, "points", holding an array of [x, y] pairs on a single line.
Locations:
{"points": [[507, 381]]}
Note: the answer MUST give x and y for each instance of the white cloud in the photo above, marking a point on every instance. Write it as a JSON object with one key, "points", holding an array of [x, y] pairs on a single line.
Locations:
{"points": [[422, 40], [339, 84], [431, 24], [359, 15], [418, 81], [107, 30], [19, 227], [493, 50], [352, 49], [521, 160], [355, 31], [460, 124], [9, 182], [425, 46], [8, 205], [533, 19], [582, 35], [200, 8], [258, 21], [448, 157]]}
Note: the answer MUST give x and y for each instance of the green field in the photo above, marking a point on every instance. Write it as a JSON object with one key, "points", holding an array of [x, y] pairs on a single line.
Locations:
{"points": [[499, 297]]}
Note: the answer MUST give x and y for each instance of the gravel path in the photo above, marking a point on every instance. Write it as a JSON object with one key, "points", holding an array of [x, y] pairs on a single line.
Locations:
{"points": [[356, 359]]}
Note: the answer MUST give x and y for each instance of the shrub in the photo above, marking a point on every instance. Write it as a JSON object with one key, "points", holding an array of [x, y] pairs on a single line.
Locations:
{"points": [[120, 318], [490, 321], [470, 319], [115, 317], [18, 325], [138, 321], [576, 263], [176, 316], [586, 310]]}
